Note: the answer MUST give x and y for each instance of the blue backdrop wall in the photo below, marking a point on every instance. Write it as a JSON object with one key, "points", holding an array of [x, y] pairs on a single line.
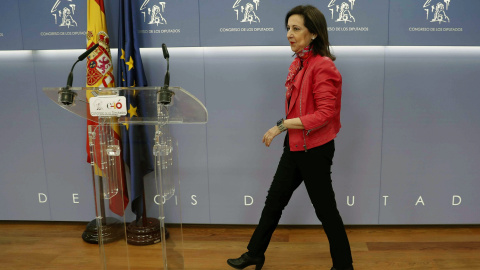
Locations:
{"points": [[408, 151]]}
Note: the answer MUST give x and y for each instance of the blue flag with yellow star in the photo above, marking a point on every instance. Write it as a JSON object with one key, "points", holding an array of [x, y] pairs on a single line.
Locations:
{"points": [[137, 141]]}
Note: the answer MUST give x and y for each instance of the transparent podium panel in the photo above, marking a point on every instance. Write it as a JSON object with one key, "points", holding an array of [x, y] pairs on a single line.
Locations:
{"points": [[168, 197], [128, 240], [134, 164], [109, 187], [182, 107]]}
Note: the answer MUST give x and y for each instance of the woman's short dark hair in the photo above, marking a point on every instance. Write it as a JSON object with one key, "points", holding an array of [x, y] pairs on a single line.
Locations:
{"points": [[315, 22]]}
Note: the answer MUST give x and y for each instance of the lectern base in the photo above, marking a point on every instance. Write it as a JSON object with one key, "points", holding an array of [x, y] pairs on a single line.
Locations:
{"points": [[111, 231], [140, 235]]}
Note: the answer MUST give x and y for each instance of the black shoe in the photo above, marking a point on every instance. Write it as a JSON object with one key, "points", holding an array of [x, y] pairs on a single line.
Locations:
{"points": [[348, 268], [245, 261]]}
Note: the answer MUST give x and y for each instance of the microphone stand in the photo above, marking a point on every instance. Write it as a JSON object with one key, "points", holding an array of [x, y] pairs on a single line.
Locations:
{"points": [[151, 229], [164, 96], [67, 96]]}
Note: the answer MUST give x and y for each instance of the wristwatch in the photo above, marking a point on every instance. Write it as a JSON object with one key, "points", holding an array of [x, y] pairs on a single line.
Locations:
{"points": [[281, 126]]}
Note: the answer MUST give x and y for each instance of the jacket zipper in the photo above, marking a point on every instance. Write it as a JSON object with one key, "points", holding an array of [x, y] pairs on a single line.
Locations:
{"points": [[301, 100], [317, 127]]}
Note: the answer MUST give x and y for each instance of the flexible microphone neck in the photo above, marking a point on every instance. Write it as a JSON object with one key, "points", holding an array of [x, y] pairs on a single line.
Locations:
{"points": [[80, 58], [67, 96], [167, 75], [164, 96], [166, 55], [89, 51], [70, 75]]}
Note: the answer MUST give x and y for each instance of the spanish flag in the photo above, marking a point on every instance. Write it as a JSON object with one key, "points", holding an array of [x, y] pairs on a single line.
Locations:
{"points": [[100, 74]]}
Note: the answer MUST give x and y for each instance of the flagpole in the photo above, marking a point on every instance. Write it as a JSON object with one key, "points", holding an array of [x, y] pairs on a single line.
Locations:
{"points": [[144, 214]]}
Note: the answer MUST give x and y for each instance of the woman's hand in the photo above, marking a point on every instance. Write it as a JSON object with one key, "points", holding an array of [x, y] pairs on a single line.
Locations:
{"points": [[269, 135]]}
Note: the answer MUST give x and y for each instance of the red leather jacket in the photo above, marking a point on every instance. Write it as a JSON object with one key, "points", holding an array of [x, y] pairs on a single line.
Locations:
{"points": [[316, 99]]}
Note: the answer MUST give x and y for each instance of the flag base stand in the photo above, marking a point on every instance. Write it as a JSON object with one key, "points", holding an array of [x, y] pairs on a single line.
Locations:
{"points": [[142, 234], [111, 231]]}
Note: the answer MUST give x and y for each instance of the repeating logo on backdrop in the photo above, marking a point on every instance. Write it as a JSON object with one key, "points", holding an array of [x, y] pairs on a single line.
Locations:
{"points": [[342, 12], [63, 12], [437, 11], [153, 12], [246, 11]]}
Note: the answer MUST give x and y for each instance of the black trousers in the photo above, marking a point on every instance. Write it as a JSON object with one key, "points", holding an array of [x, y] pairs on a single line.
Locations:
{"points": [[314, 168]]}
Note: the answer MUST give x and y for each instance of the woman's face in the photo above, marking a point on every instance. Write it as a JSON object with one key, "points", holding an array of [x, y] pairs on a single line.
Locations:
{"points": [[297, 34]]}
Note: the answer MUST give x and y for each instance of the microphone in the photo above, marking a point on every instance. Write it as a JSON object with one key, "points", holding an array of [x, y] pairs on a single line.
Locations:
{"points": [[89, 51], [66, 96], [165, 51], [80, 58], [164, 96], [166, 55]]}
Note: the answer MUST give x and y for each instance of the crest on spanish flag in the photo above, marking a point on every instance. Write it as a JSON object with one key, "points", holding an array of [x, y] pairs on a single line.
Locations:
{"points": [[99, 62]]}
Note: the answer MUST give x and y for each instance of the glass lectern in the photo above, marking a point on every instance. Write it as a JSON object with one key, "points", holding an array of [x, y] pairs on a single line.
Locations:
{"points": [[120, 234]]}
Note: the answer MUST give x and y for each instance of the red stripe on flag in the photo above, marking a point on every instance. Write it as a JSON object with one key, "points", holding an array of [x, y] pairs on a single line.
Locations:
{"points": [[100, 3]]}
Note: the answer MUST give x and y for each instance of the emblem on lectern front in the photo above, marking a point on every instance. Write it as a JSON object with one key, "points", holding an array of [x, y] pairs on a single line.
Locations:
{"points": [[64, 12]]}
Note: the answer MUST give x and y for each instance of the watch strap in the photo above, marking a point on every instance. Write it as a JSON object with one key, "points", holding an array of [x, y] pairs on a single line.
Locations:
{"points": [[280, 125]]}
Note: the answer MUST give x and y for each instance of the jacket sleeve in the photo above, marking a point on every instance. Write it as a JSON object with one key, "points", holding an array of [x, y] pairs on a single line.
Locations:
{"points": [[325, 87]]}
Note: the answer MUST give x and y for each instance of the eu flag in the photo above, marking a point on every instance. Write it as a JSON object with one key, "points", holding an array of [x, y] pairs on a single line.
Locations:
{"points": [[136, 140]]}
